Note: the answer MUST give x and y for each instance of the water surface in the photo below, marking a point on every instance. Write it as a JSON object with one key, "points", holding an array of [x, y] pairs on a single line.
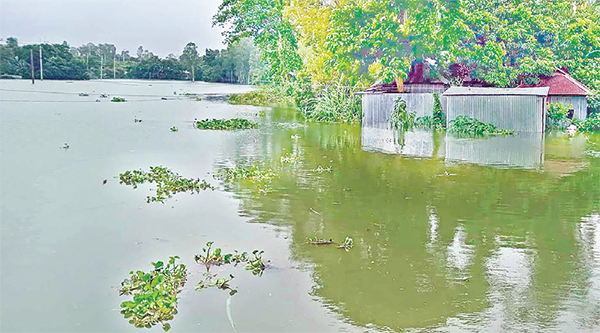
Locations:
{"points": [[499, 234]]}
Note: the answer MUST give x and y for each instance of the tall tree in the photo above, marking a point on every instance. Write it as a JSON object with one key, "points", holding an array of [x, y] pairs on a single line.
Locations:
{"points": [[190, 57]]}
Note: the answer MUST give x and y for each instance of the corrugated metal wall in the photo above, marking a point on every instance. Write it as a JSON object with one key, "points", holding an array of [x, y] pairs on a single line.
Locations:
{"points": [[518, 113], [377, 108], [579, 104]]}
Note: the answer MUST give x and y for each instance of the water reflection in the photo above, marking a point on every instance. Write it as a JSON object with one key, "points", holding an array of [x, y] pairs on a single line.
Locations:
{"points": [[437, 245], [523, 150]]}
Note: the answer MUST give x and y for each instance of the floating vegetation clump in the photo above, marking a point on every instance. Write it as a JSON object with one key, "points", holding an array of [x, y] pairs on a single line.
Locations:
{"points": [[167, 182], [290, 158], [317, 241], [174, 129], [347, 244], [254, 173], [463, 125], [154, 294], [225, 124], [83, 94], [118, 99], [256, 98], [215, 257]]}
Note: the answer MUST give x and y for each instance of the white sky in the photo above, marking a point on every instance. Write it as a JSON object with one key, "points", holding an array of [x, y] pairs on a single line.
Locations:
{"points": [[161, 26]]}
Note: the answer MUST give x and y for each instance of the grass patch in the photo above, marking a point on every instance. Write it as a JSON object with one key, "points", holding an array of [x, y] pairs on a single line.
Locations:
{"points": [[331, 104], [154, 294], [257, 98], [225, 124], [167, 182], [463, 125]]}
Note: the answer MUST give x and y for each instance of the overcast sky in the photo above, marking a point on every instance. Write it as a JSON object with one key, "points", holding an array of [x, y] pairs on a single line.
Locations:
{"points": [[161, 26]]}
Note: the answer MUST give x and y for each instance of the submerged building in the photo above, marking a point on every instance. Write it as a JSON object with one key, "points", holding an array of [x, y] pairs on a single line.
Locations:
{"points": [[517, 109]]}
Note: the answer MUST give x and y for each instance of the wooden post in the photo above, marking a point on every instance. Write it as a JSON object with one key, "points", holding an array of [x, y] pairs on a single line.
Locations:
{"points": [[31, 65]]}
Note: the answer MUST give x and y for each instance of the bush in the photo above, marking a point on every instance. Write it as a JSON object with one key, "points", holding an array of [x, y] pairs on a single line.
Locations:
{"points": [[332, 104], [471, 126], [591, 124], [401, 118], [557, 115]]}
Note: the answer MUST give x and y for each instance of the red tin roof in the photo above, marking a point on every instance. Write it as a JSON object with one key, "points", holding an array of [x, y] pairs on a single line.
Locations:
{"points": [[561, 83]]}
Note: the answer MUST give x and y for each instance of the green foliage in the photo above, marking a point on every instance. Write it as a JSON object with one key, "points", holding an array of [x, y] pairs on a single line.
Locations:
{"points": [[174, 129], [225, 124], [332, 104], [591, 124], [167, 182], [118, 99], [347, 244], [254, 174], [290, 159], [154, 294], [557, 114], [256, 98], [401, 118], [463, 125], [216, 257]]}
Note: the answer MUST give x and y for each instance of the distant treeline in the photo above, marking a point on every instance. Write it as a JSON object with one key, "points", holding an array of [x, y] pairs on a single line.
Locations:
{"points": [[239, 63]]}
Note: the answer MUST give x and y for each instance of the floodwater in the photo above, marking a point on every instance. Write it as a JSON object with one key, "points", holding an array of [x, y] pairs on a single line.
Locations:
{"points": [[450, 235]]}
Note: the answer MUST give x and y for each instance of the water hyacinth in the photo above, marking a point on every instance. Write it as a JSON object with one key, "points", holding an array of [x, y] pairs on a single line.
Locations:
{"points": [[167, 182], [225, 124], [154, 294]]}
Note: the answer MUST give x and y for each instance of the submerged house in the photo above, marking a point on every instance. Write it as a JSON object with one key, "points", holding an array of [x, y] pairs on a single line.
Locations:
{"points": [[564, 88], [517, 109], [417, 91]]}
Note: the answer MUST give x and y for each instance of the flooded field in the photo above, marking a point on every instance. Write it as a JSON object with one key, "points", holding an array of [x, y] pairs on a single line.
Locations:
{"points": [[449, 235]]}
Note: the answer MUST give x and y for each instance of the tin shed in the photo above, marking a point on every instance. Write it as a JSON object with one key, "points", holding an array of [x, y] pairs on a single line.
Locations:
{"points": [[565, 89], [518, 109]]}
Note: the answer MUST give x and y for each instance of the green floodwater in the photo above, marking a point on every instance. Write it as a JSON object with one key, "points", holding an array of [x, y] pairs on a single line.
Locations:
{"points": [[450, 235]]}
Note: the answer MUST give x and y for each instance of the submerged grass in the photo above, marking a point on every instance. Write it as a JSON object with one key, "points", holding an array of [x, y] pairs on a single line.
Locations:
{"points": [[259, 97], [225, 124], [167, 182]]}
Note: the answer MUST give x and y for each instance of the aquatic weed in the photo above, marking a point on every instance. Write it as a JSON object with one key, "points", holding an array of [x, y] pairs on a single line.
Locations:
{"points": [[167, 182], [154, 294], [225, 124]]}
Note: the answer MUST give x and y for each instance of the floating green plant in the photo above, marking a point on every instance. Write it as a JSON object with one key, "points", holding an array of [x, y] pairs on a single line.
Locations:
{"points": [[254, 173], [83, 94], [118, 99], [174, 129], [214, 257], [167, 182], [290, 158], [225, 124], [463, 125], [256, 98], [317, 241], [154, 294], [347, 244]]}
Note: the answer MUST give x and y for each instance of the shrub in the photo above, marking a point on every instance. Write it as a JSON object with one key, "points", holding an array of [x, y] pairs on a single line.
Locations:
{"points": [[591, 124], [557, 115], [471, 126], [401, 118], [331, 104]]}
